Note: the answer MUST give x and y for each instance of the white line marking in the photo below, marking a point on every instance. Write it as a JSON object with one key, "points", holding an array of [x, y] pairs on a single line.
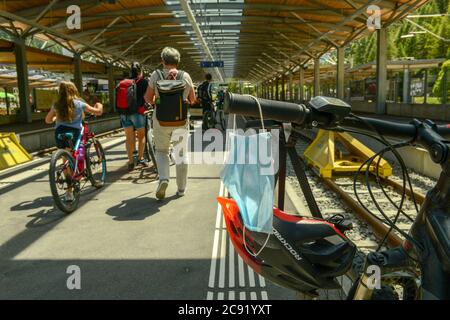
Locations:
{"points": [[231, 264], [223, 255], [212, 270], [264, 295], [231, 295], [241, 272], [214, 255], [262, 281], [251, 277], [210, 295], [220, 296], [242, 296], [219, 208], [253, 296]]}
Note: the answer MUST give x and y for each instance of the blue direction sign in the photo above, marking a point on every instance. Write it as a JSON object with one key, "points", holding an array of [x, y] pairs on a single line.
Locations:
{"points": [[211, 64]]}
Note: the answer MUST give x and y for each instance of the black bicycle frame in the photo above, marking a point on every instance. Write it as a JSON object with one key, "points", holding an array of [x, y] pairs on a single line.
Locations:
{"points": [[431, 228]]}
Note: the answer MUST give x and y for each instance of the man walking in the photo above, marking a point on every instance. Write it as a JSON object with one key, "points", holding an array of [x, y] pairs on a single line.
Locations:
{"points": [[204, 93], [170, 116]]}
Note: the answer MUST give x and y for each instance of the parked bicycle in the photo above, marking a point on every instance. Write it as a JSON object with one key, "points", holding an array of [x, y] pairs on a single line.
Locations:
{"points": [[149, 151], [70, 170], [309, 253], [214, 116]]}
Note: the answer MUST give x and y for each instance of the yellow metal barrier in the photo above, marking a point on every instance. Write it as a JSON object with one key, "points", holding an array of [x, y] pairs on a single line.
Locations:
{"points": [[11, 152], [323, 154]]}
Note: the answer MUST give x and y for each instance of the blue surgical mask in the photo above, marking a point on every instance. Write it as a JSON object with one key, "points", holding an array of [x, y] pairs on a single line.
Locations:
{"points": [[248, 180]]}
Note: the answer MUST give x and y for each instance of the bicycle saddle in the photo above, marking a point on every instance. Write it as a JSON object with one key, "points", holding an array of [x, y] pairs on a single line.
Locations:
{"points": [[303, 254], [65, 136]]}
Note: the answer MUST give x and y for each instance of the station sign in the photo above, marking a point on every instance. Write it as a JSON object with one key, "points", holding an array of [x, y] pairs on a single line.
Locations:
{"points": [[211, 64]]}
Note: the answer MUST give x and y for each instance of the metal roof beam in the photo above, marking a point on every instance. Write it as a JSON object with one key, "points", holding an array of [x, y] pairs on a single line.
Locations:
{"points": [[187, 10], [13, 17]]}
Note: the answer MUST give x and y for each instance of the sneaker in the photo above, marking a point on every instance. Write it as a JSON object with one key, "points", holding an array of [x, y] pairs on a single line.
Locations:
{"points": [[161, 190], [143, 163], [69, 196], [181, 193], [131, 166]]}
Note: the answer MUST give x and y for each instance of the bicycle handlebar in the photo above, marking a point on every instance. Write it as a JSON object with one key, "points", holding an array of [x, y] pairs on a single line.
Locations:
{"points": [[306, 115], [275, 110]]}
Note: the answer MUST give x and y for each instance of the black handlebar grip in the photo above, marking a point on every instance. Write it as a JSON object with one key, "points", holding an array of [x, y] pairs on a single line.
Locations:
{"points": [[275, 110]]}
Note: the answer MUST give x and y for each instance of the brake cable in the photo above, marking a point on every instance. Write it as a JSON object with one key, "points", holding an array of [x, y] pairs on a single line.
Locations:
{"points": [[391, 148]]}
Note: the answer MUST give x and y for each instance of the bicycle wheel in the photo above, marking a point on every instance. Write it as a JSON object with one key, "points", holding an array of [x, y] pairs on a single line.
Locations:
{"points": [[95, 163], [208, 120], [149, 151], [62, 166], [223, 120]]}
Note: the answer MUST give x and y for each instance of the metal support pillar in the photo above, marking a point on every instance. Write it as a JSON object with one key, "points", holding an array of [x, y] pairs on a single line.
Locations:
{"points": [[425, 86], [77, 74], [406, 86], [22, 80], [291, 95], [381, 70], [8, 108], [301, 84], [111, 89], [272, 88], [445, 86], [340, 73], [316, 76], [283, 88], [277, 95]]}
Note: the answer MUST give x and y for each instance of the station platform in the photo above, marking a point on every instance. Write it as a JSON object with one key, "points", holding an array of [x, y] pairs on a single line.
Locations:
{"points": [[127, 244], [394, 118]]}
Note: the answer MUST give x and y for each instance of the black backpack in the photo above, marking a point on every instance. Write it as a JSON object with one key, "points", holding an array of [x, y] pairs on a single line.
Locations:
{"points": [[202, 92], [171, 109]]}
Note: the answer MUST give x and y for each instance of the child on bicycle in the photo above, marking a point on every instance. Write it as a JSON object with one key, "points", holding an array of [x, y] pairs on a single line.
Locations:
{"points": [[68, 112]]}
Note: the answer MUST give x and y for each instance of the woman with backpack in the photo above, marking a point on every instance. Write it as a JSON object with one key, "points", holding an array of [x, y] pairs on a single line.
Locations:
{"points": [[131, 107], [172, 91]]}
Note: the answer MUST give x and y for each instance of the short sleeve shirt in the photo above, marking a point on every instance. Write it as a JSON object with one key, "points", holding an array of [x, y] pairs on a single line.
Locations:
{"points": [[186, 77], [76, 123]]}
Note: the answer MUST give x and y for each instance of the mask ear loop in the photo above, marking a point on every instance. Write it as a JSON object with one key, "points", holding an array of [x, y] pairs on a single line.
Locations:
{"points": [[260, 110], [264, 130]]}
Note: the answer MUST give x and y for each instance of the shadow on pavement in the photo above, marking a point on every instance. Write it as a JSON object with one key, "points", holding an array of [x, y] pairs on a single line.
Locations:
{"points": [[35, 204], [138, 208], [44, 220]]}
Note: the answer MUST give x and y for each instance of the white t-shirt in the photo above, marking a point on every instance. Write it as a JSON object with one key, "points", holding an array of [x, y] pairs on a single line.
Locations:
{"points": [[186, 77]]}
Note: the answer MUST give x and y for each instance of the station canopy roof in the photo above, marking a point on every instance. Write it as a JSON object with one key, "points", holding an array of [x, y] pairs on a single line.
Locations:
{"points": [[256, 39]]}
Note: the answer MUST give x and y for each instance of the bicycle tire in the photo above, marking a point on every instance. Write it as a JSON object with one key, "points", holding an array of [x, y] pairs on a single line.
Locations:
{"points": [[208, 121], [97, 183], [65, 207], [223, 120], [149, 148], [149, 154]]}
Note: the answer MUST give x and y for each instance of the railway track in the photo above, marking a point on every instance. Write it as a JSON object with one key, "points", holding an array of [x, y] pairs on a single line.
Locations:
{"points": [[343, 201], [336, 196]]}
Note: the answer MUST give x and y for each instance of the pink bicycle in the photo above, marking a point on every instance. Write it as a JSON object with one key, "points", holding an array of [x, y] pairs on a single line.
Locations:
{"points": [[70, 170]]}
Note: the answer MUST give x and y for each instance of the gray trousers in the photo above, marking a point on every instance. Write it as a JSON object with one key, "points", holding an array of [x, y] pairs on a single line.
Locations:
{"points": [[165, 139]]}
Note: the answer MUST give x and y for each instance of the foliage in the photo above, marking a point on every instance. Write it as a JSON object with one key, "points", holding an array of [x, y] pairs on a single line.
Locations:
{"points": [[440, 85], [420, 46]]}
